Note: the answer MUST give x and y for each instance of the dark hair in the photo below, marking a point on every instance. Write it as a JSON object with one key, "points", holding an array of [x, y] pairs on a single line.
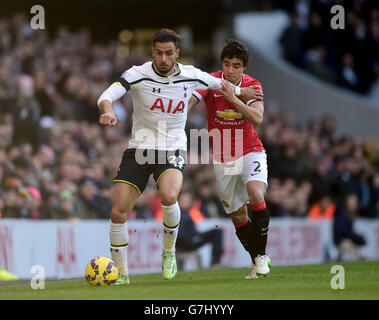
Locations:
{"points": [[167, 35], [236, 49]]}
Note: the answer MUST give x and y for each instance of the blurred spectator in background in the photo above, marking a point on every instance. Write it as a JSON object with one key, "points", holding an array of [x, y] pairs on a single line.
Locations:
{"points": [[97, 206], [141, 208], [206, 192], [315, 46], [345, 57], [323, 209], [67, 207], [34, 203], [292, 41], [26, 116], [189, 238], [2, 202], [12, 198], [347, 76], [345, 238]]}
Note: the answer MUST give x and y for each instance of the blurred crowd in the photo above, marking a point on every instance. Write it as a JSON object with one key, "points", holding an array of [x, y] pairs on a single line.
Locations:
{"points": [[57, 162], [313, 169], [346, 57]]}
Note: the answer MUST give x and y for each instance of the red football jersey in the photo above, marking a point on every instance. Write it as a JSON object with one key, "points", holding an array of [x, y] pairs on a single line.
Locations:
{"points": [[231, 135]]}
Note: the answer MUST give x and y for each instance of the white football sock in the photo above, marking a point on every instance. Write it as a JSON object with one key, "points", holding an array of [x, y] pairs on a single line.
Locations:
{"points": [[119, 239], [171, 219]]}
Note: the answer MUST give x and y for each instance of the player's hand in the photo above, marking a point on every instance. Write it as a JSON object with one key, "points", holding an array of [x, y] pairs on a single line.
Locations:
{"points": [[251, 93], [108, 119], [228, 90]]}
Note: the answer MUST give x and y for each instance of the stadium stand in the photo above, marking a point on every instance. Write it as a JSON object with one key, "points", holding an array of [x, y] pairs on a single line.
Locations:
{"points": [[289, 86], [348, 59]]}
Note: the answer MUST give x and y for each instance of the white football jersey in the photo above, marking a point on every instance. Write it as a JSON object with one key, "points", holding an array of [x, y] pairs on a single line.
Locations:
{"points": [[161, 103]]}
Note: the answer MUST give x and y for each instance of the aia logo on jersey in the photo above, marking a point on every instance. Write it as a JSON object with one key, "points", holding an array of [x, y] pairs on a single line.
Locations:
{"points": [[169, 108]]}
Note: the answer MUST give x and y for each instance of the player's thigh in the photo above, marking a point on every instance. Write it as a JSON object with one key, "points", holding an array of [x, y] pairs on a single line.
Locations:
{"points": [[232, 190], [254, 175], [169, 184], [168, 176], [256, 191], [133, 172], [125, 196]]}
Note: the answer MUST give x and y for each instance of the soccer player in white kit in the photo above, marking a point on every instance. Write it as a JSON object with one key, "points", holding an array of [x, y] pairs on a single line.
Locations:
{"points": [[160, 91]]}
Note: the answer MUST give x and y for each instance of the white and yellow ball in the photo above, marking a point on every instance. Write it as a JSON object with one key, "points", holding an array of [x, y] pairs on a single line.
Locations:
{"points": [[101, 271]]}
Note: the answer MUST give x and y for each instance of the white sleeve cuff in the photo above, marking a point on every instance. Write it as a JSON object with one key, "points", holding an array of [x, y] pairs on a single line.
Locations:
{"points": [[197, 95], [250, 101]]}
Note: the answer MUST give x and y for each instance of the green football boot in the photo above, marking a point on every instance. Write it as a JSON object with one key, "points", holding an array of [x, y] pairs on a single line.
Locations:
{"points": [[268, 261], [122, 279], [6, 276], [169, 268]]}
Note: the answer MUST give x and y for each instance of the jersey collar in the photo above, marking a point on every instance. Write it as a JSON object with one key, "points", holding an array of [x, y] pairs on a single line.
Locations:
{"points": [[175, 73]]}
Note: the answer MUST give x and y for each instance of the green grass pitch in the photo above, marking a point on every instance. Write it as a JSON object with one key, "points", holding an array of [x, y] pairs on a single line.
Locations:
{"points": [[307, 282]]}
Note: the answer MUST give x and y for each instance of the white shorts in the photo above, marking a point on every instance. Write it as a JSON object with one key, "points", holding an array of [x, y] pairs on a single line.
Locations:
{"points": [[232, 178]]}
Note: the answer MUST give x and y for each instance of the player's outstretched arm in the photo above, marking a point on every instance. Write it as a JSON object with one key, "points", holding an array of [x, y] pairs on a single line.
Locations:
{"points": [[113, 93], [214, 83], [108, 117]]}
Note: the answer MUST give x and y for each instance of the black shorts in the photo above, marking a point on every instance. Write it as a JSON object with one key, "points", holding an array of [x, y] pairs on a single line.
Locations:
{"points": [[137, 165]]}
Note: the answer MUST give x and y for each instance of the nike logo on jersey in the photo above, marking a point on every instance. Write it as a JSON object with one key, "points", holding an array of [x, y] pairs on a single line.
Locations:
{"points": [[218, 95], [254, 174]]}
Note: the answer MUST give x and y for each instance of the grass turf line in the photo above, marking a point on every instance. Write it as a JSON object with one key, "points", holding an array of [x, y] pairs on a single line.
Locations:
{"points": [[306, 282]]}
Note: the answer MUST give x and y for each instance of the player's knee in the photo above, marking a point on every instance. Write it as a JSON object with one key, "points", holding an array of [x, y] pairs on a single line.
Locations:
{"points": [[119, 216], [168, 198]]}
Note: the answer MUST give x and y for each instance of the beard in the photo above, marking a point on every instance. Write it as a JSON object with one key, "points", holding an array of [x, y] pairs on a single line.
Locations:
{"points": [[163, 68]]}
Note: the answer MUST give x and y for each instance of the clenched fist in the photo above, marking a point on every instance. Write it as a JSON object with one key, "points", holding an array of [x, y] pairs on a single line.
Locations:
{"points": [[108, 119]]}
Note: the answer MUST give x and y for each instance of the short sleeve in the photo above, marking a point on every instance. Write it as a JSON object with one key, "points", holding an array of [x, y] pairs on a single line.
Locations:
{"points": [[256, 85], [201, 94], [129, 77]]}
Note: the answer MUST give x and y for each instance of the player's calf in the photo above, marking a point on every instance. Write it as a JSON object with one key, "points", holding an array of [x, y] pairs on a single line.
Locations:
{"points": [[245, 236]]}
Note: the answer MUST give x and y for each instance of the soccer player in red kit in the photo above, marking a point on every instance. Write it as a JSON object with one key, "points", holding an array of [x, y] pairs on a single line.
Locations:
{"points": [[239, 161]]}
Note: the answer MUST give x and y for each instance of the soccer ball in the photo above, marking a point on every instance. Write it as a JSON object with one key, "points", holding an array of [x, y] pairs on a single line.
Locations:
{"points": [[101, 271]]}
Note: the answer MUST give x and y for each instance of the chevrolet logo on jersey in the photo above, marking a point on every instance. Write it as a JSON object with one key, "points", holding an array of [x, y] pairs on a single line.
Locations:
{"points": [[229, 114]]}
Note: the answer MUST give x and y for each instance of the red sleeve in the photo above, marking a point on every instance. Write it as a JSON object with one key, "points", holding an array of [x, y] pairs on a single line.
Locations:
{"points": [[255, 84], [201, 94]]}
